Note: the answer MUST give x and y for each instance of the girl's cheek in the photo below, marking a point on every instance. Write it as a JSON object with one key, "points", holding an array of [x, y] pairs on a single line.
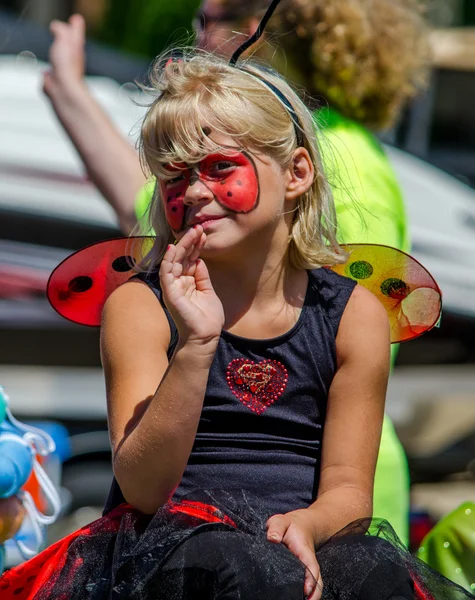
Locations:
{"points": [[238, 192], [174, 208]]}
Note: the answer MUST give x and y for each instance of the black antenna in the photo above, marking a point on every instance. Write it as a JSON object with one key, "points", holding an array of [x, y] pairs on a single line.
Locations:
{"points": [[257, 34]]}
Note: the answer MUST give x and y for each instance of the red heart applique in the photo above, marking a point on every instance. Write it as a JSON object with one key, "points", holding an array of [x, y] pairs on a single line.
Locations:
{"points": [[256, 385]]}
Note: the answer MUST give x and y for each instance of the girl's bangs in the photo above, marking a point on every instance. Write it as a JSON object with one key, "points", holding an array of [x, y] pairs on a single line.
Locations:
{"points": [[177, 129]]}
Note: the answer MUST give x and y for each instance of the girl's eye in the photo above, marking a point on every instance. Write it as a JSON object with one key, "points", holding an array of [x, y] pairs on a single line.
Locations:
{"points": [[175, 179], [222, 165]]}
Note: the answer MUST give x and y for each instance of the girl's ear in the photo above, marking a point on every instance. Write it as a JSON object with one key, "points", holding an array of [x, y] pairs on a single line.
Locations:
{"points": [[300, 174]]}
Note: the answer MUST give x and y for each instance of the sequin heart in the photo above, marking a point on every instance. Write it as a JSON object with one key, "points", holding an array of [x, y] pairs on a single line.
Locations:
{"points": [[256, 385]]}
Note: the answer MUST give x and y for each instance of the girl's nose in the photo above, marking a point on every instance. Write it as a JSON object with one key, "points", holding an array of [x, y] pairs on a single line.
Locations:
{"points": [[196, 192]]}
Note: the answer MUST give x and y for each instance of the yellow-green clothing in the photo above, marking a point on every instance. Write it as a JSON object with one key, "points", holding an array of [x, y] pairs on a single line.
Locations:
{"points": [[370, 209], [143, 201], [450, 547]]}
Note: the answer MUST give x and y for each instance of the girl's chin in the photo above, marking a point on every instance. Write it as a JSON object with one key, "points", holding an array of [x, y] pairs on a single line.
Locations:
{"points": [[216, 244]]}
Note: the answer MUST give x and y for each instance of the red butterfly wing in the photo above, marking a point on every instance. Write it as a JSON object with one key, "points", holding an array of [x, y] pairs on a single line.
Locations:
{"points": [[79, 286], [407, 290]]}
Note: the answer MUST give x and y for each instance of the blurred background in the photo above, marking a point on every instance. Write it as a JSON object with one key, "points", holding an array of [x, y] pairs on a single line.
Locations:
{"points": [[48, 208]]}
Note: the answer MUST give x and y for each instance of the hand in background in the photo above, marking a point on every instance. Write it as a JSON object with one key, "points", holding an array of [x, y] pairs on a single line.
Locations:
{"points": [[66, 54], [188, 292], [295, 530]]}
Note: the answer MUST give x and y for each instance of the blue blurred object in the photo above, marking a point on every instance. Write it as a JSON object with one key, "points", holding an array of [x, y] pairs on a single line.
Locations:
{"points": [[60, 436], [16, 463], [20, 447]]}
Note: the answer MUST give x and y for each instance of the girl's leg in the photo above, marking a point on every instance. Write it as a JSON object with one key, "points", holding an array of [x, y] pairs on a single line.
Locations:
{"points": [[230, 565], [362, 567]]}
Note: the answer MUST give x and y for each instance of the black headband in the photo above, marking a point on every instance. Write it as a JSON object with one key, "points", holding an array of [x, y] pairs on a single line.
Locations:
{"points": [[274, 89], [176, 55], [285, 101]]}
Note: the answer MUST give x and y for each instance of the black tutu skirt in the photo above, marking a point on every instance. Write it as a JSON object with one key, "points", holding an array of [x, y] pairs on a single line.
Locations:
{"points": [[214, 547]]}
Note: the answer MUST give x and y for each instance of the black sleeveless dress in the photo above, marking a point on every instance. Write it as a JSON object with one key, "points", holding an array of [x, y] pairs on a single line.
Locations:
{"points": [[256, 453], [264, 410]]}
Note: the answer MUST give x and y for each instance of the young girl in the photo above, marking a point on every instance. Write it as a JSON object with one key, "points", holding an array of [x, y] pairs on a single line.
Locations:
{"points": [[245, 382]]}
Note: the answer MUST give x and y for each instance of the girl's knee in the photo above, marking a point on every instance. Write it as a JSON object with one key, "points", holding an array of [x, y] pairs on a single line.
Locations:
{"points": [[236, 565]]}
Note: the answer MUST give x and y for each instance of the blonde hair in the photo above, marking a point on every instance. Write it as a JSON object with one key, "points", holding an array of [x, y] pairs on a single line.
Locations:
{"points": [[201, 89], [368, 58]]}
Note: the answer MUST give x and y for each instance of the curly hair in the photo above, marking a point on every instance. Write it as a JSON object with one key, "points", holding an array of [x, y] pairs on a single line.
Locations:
{"points": [[367, 58]]}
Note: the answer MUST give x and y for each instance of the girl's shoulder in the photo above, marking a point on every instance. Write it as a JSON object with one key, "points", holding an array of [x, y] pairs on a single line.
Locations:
{"points": [[132, 308], [329, 284], [152, 280], [347, 305], [332, 292]]}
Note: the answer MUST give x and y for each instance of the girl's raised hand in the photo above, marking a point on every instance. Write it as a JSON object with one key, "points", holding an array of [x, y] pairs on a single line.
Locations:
{"points": [[188, 292]]}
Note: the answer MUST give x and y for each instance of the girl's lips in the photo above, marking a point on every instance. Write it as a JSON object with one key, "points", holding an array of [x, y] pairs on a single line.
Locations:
{"points": [[203, 221]]}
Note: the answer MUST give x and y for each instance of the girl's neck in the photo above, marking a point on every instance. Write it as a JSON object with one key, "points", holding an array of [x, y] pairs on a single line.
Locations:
{"points": [[260, 286]]}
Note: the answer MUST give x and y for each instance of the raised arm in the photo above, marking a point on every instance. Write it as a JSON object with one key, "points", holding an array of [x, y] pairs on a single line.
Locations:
{"points": [[154, 407], [111, 161]]}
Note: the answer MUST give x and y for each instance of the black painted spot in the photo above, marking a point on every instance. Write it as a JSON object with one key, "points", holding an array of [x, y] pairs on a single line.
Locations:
{"points": [[361, 269], [122, 264], [80, 284], [395, 288], [4, 586], [174, 208], [31, 577], [229, 194], [18, 591]]}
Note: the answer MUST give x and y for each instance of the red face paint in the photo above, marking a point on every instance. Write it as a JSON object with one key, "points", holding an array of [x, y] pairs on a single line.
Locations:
{"points": [[173, 193], [230, 176]]}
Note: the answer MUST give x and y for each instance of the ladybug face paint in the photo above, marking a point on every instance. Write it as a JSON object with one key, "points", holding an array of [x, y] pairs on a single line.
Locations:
{"points": [[230, 176], [173, 193]]}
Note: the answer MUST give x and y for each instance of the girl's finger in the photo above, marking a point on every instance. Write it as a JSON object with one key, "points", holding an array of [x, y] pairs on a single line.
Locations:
{"points": [[167, 261], [317, 588], [306, 554], [313, 580], [196, 252], [310, 585], [186, 242], [177, 269], [276, 527], [165, 274], [170, 253], [185, 266]]}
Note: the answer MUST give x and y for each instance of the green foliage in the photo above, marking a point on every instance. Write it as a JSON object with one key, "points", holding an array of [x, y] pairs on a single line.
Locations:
{"points": [[148, 26]]}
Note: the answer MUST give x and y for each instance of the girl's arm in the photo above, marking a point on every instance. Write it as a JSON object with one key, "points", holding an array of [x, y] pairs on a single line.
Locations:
{"points": [[351, 437], [152, 430], [354, 416]]}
